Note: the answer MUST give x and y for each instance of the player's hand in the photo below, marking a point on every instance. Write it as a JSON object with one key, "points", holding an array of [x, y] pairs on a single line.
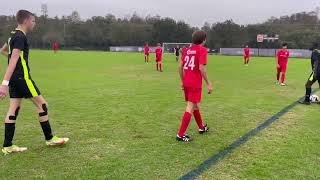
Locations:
{"points": [[210, 88], [3, 91], [182, 87], [278, 65]]}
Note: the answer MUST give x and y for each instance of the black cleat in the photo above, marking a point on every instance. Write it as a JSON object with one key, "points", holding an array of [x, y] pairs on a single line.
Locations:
{"points": [[184, 138], [304, 102], [204, 129]]}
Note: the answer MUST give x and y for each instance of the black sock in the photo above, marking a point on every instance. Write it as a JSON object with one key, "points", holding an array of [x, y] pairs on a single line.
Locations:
{"points": [[9, 133], [308, 94], [46, 128]]}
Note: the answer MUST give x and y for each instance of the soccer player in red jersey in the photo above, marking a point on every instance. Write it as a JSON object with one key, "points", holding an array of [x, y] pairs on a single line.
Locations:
{"points": [[55, 47], [246, 55], [158, 52], [192, 70], [282, 61], [146, 53]]}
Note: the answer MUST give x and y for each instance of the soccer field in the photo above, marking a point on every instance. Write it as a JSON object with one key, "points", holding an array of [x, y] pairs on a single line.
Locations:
{"points": [[122, 118]]}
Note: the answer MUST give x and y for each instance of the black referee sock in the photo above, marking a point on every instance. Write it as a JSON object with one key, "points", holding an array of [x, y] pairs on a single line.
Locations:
{"points": [[46, 128], [8, 134], [308, 94]]}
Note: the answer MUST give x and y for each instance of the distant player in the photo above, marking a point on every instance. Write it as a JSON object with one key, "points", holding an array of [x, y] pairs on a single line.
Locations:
{"points": [[192, 70], [158, 52], [17, 80], [282, 61], [246, 55], [314, 76], [55, 46], [177, 52], [146, 53]]}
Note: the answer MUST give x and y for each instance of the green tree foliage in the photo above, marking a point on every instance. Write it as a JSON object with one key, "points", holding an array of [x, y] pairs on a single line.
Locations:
{"points": [[300, 30]]}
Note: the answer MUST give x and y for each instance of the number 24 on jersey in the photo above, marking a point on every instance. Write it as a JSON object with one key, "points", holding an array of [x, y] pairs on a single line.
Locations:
{"points": [[189, 63]]}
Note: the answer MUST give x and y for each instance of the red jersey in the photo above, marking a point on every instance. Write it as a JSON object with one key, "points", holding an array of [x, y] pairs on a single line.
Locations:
{"points": [[192, 58], [283, 56], [246, 51], [146, 50], [55, 46], [158, 52]]}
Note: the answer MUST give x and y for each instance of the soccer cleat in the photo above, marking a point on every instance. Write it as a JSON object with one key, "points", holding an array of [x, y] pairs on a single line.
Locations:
{"points": [[282, 84], [304, 102], [204, 130], [184, 138], [277, 83], [13, 149], [56, 141]]}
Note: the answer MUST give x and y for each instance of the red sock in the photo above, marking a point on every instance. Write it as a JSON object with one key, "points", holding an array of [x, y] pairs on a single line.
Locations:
{"points": [[278, 76], [283, 77], [185, 123], [197, 117]]}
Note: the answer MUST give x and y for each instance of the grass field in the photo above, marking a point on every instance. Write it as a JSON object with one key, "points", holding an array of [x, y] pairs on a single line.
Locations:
{"points": [[122, 117]]}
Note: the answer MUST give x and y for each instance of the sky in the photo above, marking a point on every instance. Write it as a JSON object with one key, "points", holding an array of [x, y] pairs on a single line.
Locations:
{"points": [[194, 12]]}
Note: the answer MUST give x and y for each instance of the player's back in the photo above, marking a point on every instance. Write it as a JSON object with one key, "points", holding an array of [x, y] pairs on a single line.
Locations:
{"points": [[192, 58]]}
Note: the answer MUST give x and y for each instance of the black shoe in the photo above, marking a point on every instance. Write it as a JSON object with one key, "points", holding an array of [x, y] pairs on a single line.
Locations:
{"points": [[184, 138], [204, 129], [304, 102]]}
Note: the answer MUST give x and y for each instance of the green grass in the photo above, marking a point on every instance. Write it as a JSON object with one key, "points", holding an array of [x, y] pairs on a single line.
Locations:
{"points": [[122, 118]]}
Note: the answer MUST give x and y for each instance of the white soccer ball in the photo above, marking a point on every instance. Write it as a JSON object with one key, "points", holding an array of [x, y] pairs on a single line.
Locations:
{"points": [[314, 98]]}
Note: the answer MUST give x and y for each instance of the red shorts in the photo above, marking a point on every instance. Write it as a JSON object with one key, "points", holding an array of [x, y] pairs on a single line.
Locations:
{"points": [[246, 57], [282, 68], [193, 94], [158, 60], [146, 54]]}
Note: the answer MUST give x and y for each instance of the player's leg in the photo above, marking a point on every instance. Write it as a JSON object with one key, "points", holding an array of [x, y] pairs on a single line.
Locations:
{"points": [[185, 123], [42, 109], [197, 116], [160, 66], [278, 74], [10, 125], [311, 80], [283, 78], [147, 58], [157, 65]]}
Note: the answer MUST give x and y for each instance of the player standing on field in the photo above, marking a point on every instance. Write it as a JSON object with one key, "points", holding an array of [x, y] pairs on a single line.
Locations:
{"points": [[177, 52], [192, 70], [146, 53], [18, 80], [315, 75], [158, 52], [246, 55], [282, 61], [55, 47]]}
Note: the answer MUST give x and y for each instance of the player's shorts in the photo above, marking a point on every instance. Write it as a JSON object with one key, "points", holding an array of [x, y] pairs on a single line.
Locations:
{"points": [[177, 54], [146, 54], [246, 57], [314, 78], [158, 60], [21, 88], [282, 68], [193, 94]]}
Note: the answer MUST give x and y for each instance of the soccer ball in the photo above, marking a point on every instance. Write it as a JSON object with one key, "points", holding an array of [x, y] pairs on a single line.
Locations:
{"points": [[314, 98]]}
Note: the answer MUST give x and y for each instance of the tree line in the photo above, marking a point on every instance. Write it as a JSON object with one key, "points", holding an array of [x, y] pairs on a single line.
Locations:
{"points": [[299, 30]]}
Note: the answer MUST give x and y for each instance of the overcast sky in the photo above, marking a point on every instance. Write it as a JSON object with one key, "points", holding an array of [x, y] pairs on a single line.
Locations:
{"points": [[194, 12]]}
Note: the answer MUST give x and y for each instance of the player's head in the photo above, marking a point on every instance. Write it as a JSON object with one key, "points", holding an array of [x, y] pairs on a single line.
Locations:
{"points": [[284, 45], [178, 46], [147, 44], [26, 19], [199, 38], [247, 46], [158, 44]]}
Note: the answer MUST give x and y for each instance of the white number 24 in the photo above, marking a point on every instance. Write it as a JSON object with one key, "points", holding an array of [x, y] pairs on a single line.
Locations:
{"points": [[189, 63]]}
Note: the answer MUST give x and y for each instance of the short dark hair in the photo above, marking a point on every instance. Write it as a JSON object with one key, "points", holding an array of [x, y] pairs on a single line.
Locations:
{"points": [[198, 37], [284, 44], [22, 15]]}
